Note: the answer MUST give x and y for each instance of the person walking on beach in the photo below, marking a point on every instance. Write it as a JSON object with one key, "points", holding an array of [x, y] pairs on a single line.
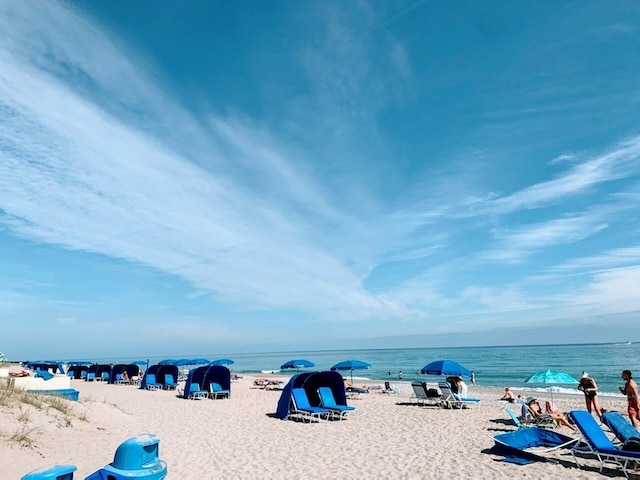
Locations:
{"points": [[630, 389], [590, 389], [473, 378]]}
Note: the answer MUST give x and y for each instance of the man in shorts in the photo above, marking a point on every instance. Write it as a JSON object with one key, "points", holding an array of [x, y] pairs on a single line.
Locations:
{"points": [[630, 389]]}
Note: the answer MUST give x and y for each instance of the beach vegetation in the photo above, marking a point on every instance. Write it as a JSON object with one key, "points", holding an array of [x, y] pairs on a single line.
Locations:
{"points": [[25, 416], [24, 437]]}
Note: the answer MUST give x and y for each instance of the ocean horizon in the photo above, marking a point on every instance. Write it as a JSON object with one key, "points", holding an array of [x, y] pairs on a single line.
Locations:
{"points": [[494, 366]]}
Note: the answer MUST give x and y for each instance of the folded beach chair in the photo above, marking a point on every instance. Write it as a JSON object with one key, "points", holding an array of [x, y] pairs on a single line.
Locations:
{"points": [[452, 400], [302, 407], [151, 383], [328, 401], [195, 392], [216, 390], [628, 436], [169, 383], [599, 444]]}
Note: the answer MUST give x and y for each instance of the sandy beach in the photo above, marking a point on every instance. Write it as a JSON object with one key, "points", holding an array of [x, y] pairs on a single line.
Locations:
{"points": [[385, 437]]}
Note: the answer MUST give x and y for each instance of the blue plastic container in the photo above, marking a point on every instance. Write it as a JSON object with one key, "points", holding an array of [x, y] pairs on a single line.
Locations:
{"points": [[136, 458], [57, 472]]}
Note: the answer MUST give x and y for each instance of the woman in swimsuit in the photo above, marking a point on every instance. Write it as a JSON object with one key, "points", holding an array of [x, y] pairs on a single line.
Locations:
{"points": [[590, 389]]}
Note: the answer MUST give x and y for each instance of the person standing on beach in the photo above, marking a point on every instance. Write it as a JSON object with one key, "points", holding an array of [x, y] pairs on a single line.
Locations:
{"points": [[473, 378], [630, 389], [590, 389], [400, 375]]}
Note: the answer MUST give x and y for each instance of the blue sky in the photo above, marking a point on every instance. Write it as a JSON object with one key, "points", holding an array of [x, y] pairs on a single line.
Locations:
{"points": [[256, 176]]}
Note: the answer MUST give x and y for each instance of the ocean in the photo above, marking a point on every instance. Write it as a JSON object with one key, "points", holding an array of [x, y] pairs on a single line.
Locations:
{"points": [[494, 366]]}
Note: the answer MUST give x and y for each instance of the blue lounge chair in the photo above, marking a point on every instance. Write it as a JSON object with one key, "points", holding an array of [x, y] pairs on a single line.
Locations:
{"points": [[105, 376], [515, 419], [90, 377], [195, 392], [169, 383], [216, 390], [328, 401], [302, 407], [623, 430], [151, 383], [119, 380], [599, 444]]}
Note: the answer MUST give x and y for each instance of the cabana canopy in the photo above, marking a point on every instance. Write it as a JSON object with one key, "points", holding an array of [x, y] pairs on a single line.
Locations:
{"points": [[311, 381]]}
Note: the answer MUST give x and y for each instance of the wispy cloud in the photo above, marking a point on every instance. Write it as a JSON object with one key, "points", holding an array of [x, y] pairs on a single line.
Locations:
{"points": [[623, 160], [515, 243], [78, 174]]}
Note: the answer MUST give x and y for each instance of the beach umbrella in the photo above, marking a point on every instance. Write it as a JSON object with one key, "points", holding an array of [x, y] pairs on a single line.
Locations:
{"points": [[139, 363], [222, 361], [298, 364], [183, 361], [168, 361], [200, 361], [351, 365], [551, 377], [445, 367]]}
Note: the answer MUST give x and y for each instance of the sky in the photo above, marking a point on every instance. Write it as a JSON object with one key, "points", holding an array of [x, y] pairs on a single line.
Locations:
{"points": [[216, 177]]}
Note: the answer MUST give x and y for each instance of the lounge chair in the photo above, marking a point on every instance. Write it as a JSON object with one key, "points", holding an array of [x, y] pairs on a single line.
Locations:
{"points": [[105, 376], [516, 420], [628, 436], [302, 407], [151, 383], [119, 380], [453, 400], [537, 419], [195, 392], [216, 390], [599, 444], [169, 383], [328, 401], [90, 377], [424, 395]]}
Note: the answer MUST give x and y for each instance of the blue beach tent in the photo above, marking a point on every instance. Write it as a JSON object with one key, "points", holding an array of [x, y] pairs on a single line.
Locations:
{"points": [[100, 370], [131, 369], [160, 371], [206, 375], [78, 371], [310, 382]]}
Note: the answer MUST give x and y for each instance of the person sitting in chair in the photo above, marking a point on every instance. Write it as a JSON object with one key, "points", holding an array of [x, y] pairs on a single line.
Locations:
{"points": [[559, 417]]}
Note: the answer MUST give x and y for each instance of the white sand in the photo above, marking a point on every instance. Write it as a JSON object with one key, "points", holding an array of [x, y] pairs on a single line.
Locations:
{"points": [[208, 439]]}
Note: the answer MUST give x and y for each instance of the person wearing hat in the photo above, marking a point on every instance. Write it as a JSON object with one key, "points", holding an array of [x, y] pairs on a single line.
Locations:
{"points": [[590, 389]]}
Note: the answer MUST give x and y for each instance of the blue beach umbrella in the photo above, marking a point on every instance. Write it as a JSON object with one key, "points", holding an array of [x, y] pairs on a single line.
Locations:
{"points": [[445, 367], [200, 361], [551, 377], [351, 365], [222, 361], [183, 361], [168, 361], [297, 364]]}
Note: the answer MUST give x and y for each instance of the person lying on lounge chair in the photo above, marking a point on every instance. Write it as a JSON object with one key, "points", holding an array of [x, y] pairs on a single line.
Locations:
{"points": [[350, 388], [559, 417]]}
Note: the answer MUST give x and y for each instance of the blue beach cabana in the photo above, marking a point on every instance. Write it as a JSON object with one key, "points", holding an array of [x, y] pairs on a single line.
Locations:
{"points": [[159, 371], [206, 375], [311, 381], [100, 371], [131, 369], [77, 371]]}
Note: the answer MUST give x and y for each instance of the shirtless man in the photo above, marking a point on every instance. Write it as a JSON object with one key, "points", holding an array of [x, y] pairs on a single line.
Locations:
{"points": [[630, 389]]}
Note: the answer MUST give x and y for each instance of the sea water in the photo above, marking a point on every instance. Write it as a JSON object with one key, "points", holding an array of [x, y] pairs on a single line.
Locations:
{"points": [[493, 366]]}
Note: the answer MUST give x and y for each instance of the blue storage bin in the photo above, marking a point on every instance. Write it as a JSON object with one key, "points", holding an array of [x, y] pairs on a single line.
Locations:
{"points": [[57, 472], [136, 458]]}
